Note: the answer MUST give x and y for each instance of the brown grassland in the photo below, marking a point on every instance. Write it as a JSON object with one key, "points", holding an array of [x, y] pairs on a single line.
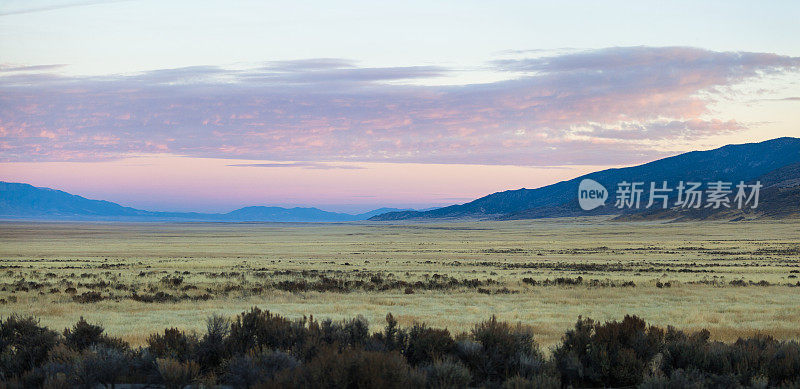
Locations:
{"points": [[734, 279]]}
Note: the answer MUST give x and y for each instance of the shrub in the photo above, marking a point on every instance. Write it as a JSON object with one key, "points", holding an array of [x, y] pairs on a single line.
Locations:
{"points": [[447, 373], [503, 347], [88, 297], [174, 282], [537, 382], [783, 363], [100, 365], [56, 381], [207, 381], [350, 368], [749, 361], [530, 365], [262, 330], [158, 297], [614, 353], [472, 355], [176, 374], [427, 344], [83, 335], [143, 367], [211, 350], [23, 344], [61, 354], [392, 338], [173, 344], [39, 376], [252, 368], [682, 351], [353, 332], [678, 379]]}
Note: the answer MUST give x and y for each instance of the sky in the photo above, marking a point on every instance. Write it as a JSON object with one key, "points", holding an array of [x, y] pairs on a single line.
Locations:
{"points": [[214, 105]]}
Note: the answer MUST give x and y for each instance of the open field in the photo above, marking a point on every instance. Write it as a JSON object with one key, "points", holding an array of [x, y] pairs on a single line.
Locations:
{"points": [[735, 279]]}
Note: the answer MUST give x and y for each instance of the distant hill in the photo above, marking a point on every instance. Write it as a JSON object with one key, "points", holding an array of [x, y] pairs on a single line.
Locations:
{"points": [[18, 200], [744, 162], [298, 214], [30, 201]]}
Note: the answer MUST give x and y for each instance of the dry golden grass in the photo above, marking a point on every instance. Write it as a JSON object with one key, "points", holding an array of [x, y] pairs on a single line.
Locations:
{"points": [[699, 260]]}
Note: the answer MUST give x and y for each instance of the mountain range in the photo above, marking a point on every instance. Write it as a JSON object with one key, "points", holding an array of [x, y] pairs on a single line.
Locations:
{"points": [[24, 201], [775, 164], [732, 163]]}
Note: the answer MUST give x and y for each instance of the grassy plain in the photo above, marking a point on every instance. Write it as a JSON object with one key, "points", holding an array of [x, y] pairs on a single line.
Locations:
{"points": [[138, 278]]}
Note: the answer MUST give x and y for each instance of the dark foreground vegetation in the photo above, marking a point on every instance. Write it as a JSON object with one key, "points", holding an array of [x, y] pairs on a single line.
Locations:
{"points": [[261, 349]]}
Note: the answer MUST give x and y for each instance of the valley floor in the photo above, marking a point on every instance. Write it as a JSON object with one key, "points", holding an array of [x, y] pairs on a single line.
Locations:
{"points": [[734, 279]]}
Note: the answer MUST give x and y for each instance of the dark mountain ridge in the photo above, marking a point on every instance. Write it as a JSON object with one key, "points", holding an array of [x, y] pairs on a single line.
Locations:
{"points": [[734, 163], [778, 199]]}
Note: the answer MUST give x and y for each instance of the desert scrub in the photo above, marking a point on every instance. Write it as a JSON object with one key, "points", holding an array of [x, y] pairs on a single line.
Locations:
{"points": [[176, 374], [262, 349]]}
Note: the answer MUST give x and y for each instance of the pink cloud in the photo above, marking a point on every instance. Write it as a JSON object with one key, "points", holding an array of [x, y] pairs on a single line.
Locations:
{"points": [[587, 107]]}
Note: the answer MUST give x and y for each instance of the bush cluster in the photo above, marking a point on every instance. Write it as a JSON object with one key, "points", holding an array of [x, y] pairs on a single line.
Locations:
{"points": [[631, 353], [259, 349]]}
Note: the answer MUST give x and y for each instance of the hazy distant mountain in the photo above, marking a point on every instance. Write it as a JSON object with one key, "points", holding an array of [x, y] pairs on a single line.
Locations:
{"points": [[19, 200], [298, 214], [744, 162], [30, 201], [380, 211]]}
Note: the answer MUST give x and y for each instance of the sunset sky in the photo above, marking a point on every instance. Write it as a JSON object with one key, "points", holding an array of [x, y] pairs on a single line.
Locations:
{"points": [[214, 105]]}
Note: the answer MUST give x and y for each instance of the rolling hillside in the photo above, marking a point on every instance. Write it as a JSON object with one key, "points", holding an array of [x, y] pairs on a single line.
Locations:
{"points": [[734, 163]]}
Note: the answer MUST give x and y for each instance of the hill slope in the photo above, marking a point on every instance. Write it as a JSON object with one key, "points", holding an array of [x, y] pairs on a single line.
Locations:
{"points": [[778, 199], [743, 162], [18, 199]]}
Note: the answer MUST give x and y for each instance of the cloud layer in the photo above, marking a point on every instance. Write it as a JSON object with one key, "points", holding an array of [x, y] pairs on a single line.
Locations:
{"points": [[587, 107]]}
